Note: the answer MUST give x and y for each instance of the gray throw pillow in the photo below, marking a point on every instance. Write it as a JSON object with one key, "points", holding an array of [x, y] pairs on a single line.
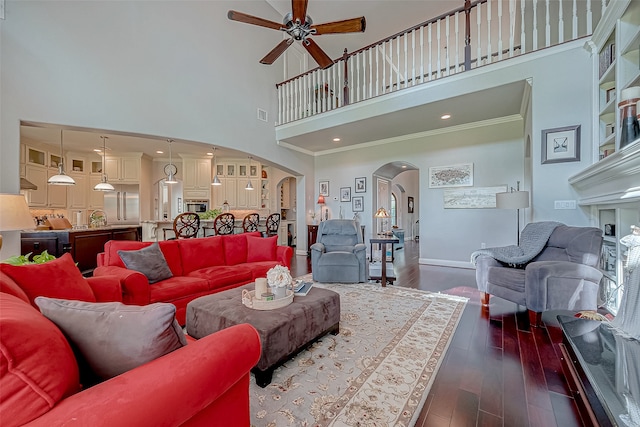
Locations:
{"points": [[113, 337], [149, 261]]}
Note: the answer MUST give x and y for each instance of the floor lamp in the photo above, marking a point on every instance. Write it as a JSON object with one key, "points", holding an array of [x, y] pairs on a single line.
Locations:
{"points": [[513, 199]]}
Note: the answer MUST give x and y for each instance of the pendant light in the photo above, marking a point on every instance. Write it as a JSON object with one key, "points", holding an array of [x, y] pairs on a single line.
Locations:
{"points": [[104, 185], [216, 180], [171, 179], [249, 186], [61, 178]]}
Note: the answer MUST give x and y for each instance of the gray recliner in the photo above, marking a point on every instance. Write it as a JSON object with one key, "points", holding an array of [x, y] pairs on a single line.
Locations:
{"points": [[338, 256], [564, 275]]}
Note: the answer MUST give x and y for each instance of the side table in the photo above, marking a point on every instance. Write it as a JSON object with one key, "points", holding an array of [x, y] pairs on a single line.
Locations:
{"points": [[312, 235], [382, 241]]}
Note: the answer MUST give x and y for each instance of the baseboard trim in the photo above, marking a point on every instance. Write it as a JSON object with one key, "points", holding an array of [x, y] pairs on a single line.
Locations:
{"points": [[301, 252], [446, 263]]}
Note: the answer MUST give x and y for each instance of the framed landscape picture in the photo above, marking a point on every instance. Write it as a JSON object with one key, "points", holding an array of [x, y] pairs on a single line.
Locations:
{"points": [[451, 176]]}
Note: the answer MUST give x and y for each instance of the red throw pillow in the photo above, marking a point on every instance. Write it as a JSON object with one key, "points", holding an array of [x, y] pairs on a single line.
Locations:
{"points": [[58, 278], [37, 366], [261, 248]]}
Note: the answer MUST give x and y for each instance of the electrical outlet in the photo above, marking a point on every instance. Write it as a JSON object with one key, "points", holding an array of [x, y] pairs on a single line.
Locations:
{"points": [[564, 204]]}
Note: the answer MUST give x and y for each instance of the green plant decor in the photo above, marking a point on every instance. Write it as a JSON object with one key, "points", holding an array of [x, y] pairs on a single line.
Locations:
{"points": [[210, 214], [24, 259]]}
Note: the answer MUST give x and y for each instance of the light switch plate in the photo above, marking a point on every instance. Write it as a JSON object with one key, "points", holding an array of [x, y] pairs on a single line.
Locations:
{"points": [[564, 204]]}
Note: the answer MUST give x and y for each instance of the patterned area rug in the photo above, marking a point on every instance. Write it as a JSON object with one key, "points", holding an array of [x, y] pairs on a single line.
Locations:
{"points": [[376, 372]]}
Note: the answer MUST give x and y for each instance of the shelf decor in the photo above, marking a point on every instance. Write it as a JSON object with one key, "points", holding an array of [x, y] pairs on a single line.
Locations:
{"points": [[561, 145]]}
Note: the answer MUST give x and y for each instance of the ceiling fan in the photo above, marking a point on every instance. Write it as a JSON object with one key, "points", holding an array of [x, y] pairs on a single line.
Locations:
{"points": [[300, 26]]}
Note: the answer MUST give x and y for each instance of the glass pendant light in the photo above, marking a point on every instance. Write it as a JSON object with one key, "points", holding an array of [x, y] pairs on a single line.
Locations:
{"points": [[104, 185], [249, 186], [171, 179], [216, 180], [61, 178]]}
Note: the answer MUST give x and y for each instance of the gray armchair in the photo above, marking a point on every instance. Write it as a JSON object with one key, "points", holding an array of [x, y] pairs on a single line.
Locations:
{"points": [[338, 256], [564, 275]]}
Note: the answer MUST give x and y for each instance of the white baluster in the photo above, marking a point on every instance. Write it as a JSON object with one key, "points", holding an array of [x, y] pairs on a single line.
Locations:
{"points": [[397, 63], [535, 25], [479, 40], [457, 39], [352, 80], [439, 45], [560, 23], [446, 26], [413, 58], [523, 38], [574, 18], [512, 26], [489, 48], [500, 46], [421, 54], [377, 48], [406, 66], [547, 27], [430, 49], [384, 66], [370, 73], [590, 17], [390, 60]]}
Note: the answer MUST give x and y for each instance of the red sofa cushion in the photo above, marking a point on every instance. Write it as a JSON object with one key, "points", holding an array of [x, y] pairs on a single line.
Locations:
{"points": [[37, 366], [9, 286], [169, 249], [261, 248], [260, 268], [235, 248], [201, 253], [58, 278], [176, 287], [222, 275]]}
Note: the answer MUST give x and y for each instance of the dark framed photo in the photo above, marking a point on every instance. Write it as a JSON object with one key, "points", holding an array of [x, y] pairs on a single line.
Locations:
{"points": [[345, 194], [324, 188], [357, 203], [361, 185], [410, 204], [561, 145]]}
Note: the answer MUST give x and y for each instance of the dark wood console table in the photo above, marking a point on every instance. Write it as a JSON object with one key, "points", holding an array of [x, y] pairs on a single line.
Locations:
{"points": [[373, 270], [312, 235], [602, 370]]}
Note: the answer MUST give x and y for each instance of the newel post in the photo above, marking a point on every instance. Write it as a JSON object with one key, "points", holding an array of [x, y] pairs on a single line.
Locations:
{"points": [[467, 35], [345, 90]]}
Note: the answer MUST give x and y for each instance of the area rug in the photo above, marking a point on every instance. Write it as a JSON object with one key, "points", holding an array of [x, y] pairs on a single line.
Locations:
{"points": [[376, 372]]}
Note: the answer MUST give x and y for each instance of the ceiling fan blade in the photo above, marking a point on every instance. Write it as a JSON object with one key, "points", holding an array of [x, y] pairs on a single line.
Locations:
{"points": [[299, 8], [355, 25], [254, 20], [276, 52], [318, 54]]}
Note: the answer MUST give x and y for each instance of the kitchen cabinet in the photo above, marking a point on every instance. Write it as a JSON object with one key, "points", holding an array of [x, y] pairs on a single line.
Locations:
{"points": [[38, 176], [56, 194], [197, 178], [77, 194], [35, 156], [75, 163], [123, 169], [285, 194], [227, 191], [248, 198], [95, 199]]}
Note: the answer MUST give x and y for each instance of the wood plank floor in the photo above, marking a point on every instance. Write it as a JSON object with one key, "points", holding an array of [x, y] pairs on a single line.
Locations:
{"points": [[498, 370]]}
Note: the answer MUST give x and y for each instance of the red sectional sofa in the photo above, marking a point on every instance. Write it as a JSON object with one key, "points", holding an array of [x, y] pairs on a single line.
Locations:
{"points": [[199, 266], [205, 383]]}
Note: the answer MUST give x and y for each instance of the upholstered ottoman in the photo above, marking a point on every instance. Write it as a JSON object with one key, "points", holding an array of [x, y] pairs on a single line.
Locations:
{"points": [[283, 332]]}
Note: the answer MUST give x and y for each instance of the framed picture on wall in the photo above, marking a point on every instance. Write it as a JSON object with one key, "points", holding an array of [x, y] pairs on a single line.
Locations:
{"points": [[324, 188], [409, 204], [357, 203], [361, 185], [561, 145], [345, 194]]}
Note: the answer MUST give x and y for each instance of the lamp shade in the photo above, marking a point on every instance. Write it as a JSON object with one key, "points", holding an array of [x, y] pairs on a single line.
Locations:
{"points": [[381, 213], [512, 200], [14, 213], [320, 200]]}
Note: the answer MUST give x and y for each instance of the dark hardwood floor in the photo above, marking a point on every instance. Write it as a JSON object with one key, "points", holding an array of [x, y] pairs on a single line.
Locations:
{"points": [[498, 371]]}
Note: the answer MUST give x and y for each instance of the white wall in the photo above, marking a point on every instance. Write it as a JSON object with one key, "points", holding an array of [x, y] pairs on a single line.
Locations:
{"points": [[168, 69], [410, 182]]}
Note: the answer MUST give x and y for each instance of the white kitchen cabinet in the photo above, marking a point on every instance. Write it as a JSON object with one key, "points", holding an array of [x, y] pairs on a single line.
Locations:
{"points": [[227, 191], [38, 176], [56, 194], [95, 199], [197, 178], [123, 169], [248, 198], [77, 194]]}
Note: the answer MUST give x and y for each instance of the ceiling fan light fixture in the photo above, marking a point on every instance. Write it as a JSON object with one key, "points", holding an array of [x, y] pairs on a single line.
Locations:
{"points": [[61, 178]]}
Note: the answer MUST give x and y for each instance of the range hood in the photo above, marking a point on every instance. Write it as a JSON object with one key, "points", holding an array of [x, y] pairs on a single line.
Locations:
{"points": [[27, 185]]}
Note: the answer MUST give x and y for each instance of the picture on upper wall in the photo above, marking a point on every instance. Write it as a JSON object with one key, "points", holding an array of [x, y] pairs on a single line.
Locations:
{"points": [[561, 144], [324, 188], [357, 203], [451, 176], [409, 204], [345, 194], [361, 185]]}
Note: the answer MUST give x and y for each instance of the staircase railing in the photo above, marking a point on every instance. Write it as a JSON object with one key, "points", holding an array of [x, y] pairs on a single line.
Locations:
{"points": [[476, 34]]}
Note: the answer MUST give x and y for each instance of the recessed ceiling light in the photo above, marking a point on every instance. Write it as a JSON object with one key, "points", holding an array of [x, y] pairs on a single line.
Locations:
{"points": [[159, 152], [209, 154], [404, 166], [336, 139], [445, 116], [97, 150]]}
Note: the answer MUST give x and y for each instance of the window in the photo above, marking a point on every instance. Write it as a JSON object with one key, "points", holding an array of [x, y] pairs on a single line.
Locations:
{"points": [[394, 210]]}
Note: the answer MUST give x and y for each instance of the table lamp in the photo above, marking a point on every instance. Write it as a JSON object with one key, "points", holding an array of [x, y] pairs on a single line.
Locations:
{"points": [[14, 214], [321, 203], [513, 199], [381, 213]]}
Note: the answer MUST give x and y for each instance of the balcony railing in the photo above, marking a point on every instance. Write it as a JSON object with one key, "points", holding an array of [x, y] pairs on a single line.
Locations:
{"points": [[477, 34]]}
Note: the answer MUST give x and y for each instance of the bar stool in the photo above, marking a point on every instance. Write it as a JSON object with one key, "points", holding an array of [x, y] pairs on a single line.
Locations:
{"points": [[273, 223], [223, 223], [250, 222]]}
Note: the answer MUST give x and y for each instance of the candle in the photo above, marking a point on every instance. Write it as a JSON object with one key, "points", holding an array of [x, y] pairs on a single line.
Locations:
{"points": [[261, 287]]}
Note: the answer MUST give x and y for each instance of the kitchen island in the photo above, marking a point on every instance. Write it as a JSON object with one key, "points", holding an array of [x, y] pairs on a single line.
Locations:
{"points": [[83, 244]]}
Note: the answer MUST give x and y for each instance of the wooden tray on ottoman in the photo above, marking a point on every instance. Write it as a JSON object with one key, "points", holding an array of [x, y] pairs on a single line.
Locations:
{"points": [[249, 300], [283, 332]]}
